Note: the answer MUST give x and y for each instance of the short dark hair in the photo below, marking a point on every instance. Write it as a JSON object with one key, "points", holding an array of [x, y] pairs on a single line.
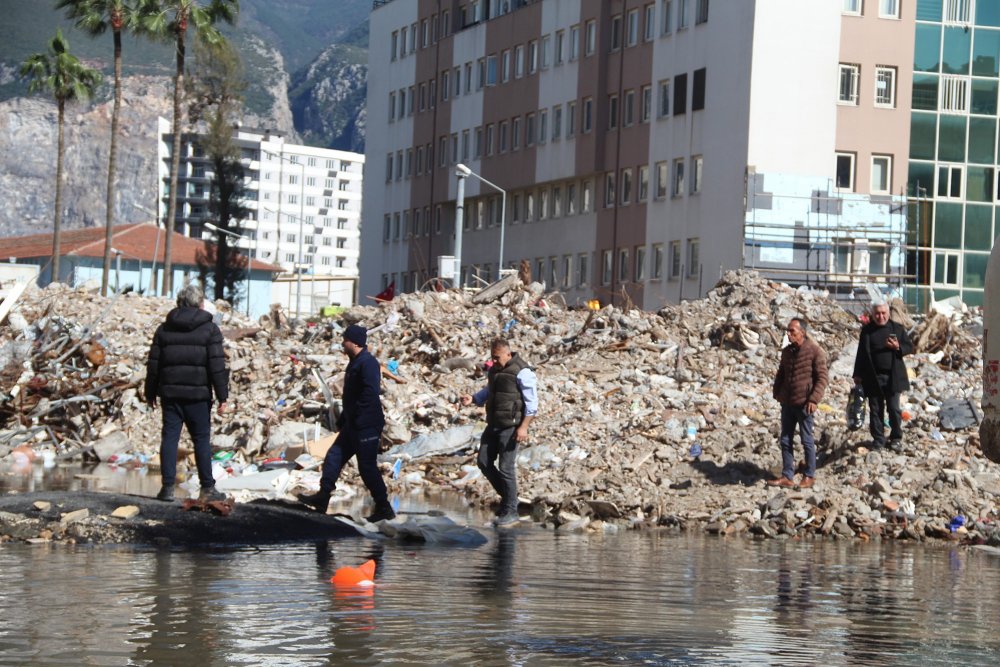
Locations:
{"points": [[499, 344]]}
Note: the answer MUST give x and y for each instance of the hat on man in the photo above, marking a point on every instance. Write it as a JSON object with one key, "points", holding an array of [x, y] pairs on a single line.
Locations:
{"points": [[356, 334]]}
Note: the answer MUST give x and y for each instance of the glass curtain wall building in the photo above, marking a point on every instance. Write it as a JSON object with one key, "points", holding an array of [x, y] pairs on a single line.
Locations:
{"points": [[954, 179]]}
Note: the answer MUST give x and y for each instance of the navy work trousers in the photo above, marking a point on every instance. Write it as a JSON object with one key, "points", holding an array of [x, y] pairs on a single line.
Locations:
{"points": [[792, 416], [197, 416], [364, 445]]}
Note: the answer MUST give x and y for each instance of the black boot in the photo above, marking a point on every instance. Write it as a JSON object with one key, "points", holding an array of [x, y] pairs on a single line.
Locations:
{"points": [[383, 512], [166, 494], [318, 501]]}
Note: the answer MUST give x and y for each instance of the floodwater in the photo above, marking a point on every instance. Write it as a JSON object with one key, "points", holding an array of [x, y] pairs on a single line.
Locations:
{"points": [[527, 597]]}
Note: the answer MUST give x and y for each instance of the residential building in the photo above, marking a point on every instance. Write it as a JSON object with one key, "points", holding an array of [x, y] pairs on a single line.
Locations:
{"points": [[138, 251], [644, 146], [304, 208]]}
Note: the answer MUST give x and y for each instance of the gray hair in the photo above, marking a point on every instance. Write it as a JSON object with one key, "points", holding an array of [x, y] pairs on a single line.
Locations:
{"points": [[190, 296]]}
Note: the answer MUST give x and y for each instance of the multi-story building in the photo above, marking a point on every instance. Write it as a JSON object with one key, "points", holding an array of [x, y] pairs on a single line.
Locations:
{"points": [[643, 146], [953, 173], [304, 207]]}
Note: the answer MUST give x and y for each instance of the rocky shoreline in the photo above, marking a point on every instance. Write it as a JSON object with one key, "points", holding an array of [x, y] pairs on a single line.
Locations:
{"points": [[648, 420]]}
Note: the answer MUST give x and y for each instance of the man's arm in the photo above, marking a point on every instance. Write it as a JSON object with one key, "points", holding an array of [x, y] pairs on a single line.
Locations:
{"points": [[527, 382], [153, 369], [217, 365], [821, 378]]}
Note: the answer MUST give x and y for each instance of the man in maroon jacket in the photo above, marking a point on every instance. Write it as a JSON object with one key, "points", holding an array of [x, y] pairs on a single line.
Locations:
{"points": [[799, 386]]}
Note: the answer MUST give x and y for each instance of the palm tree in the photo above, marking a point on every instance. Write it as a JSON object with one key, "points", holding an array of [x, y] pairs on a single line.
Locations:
{"points": [[95, 17], [63, 75], [170, 20]]}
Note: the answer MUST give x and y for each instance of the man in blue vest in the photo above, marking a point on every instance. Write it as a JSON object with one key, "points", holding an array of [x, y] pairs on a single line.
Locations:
{"points": [[360, 426], [511, 400]]}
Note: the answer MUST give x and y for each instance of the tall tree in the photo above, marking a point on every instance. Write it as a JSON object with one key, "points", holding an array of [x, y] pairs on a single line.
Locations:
{"points": [[170, 20], [62, 75], [215, 96], [95, 17]]}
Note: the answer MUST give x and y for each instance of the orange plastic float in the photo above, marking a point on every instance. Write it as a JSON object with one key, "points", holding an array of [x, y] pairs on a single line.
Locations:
{"points": [[355, 577]]}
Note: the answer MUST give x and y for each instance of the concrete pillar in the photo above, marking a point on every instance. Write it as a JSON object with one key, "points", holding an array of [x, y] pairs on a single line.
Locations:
{"points": [[989, 430]]}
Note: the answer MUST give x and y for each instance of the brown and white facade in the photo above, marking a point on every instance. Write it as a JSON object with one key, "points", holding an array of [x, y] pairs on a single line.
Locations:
{"points": [[644, 146]]}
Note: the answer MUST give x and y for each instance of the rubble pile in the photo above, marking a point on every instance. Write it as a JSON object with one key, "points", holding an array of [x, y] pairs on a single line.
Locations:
{"points": [[647, 418]]}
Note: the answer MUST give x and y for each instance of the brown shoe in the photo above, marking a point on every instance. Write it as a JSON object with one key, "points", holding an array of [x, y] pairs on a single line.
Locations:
{"points": [[783, 482], [807, 482]]}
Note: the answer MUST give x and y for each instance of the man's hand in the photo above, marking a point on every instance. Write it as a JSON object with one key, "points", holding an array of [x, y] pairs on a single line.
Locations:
{"points": [[810, 407], [857, 379], [466, 400], [223, 407], [892, 343], [151, 401], [521, 434]]}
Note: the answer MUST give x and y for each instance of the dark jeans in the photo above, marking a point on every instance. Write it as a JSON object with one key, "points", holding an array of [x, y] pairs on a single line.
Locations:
{"points": [[792, 416], [877, 404], [502, 443], [364, 445], [197, 416]]}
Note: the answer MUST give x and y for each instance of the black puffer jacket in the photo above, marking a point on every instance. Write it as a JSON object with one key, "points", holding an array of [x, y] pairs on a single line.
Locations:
{"points": [[186, 360]]}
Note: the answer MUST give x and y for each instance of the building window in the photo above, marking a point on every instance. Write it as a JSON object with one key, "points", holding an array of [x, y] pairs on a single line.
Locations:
{"points": [[957, 11], [645, 103], [661, 180], [852, 7], [698, 90], [649, 22], [543, 55], [845, 171], [694, 259], [591, 38], [628, 109], [606, 260], [881, 174], [587, 204], [888, 9], [954, 95], [682, 14], [609, 189], [571, 199], [574, 43], [643, 183], [950, 179], [632, 28], [626, 197], [946, 268], [667, 10], [680, 94], [657, 267], [664, 106], [518, 61], [623, 265], [701, 12], [505, 67], [885, 86], [639, 264], [587, 122], [582, 269], [543, 125], [567, 271], [529, 130], [675, 260], [612, 112], [515, 134], [560, 42], [543, 204], [570, 119], [532, 56], [678, 181], [696, 169], [557, 113], [850, 74]]}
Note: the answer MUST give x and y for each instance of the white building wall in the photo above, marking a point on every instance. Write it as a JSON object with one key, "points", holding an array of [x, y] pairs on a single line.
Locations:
{"points": [[381, 199]]}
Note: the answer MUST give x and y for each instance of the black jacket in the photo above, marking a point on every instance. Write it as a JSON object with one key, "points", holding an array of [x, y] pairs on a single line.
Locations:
{"points": [[362, 385], [505, 404], [864, 368], [186, 360]]}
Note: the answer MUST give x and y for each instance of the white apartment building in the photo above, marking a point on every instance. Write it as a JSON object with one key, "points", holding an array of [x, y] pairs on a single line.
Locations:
{"points": [[304, 207], [645, 146]]}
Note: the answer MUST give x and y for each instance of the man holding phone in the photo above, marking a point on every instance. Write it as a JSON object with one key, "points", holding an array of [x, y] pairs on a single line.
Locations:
{"points": [[880, 370]]}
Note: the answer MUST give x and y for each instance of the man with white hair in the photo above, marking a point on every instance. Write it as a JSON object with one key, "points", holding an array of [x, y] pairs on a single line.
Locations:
{"points": [[880, 370], [185, 367]]}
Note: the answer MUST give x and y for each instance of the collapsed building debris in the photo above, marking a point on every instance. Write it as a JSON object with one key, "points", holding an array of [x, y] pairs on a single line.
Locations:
{"points": [[647, 418]]}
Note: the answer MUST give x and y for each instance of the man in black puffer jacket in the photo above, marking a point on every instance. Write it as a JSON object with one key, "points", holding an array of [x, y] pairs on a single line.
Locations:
{"points": [[186, 365]]}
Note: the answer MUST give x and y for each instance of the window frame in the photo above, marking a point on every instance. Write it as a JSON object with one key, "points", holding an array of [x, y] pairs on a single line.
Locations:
{"points": [[848, 88], [853, 157], [888, 174], [880, 75]]}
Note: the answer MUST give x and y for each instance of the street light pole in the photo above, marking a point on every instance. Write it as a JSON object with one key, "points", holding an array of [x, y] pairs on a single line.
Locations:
{"points": [[464, 171], [250, 242], [459, 213]]}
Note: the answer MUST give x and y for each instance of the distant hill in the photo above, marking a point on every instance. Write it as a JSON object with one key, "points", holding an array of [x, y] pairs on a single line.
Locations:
{"points": [[305, 61]]}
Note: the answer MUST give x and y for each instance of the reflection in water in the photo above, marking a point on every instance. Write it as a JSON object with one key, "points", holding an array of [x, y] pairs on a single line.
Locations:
{"points": [[527, 597]]}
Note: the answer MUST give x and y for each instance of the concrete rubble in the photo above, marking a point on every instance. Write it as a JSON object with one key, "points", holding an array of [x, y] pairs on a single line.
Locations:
{"points": [[648, 419]]}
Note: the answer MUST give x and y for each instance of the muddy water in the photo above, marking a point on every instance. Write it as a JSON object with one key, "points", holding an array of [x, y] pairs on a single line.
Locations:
{"points": [[527, 597]]}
